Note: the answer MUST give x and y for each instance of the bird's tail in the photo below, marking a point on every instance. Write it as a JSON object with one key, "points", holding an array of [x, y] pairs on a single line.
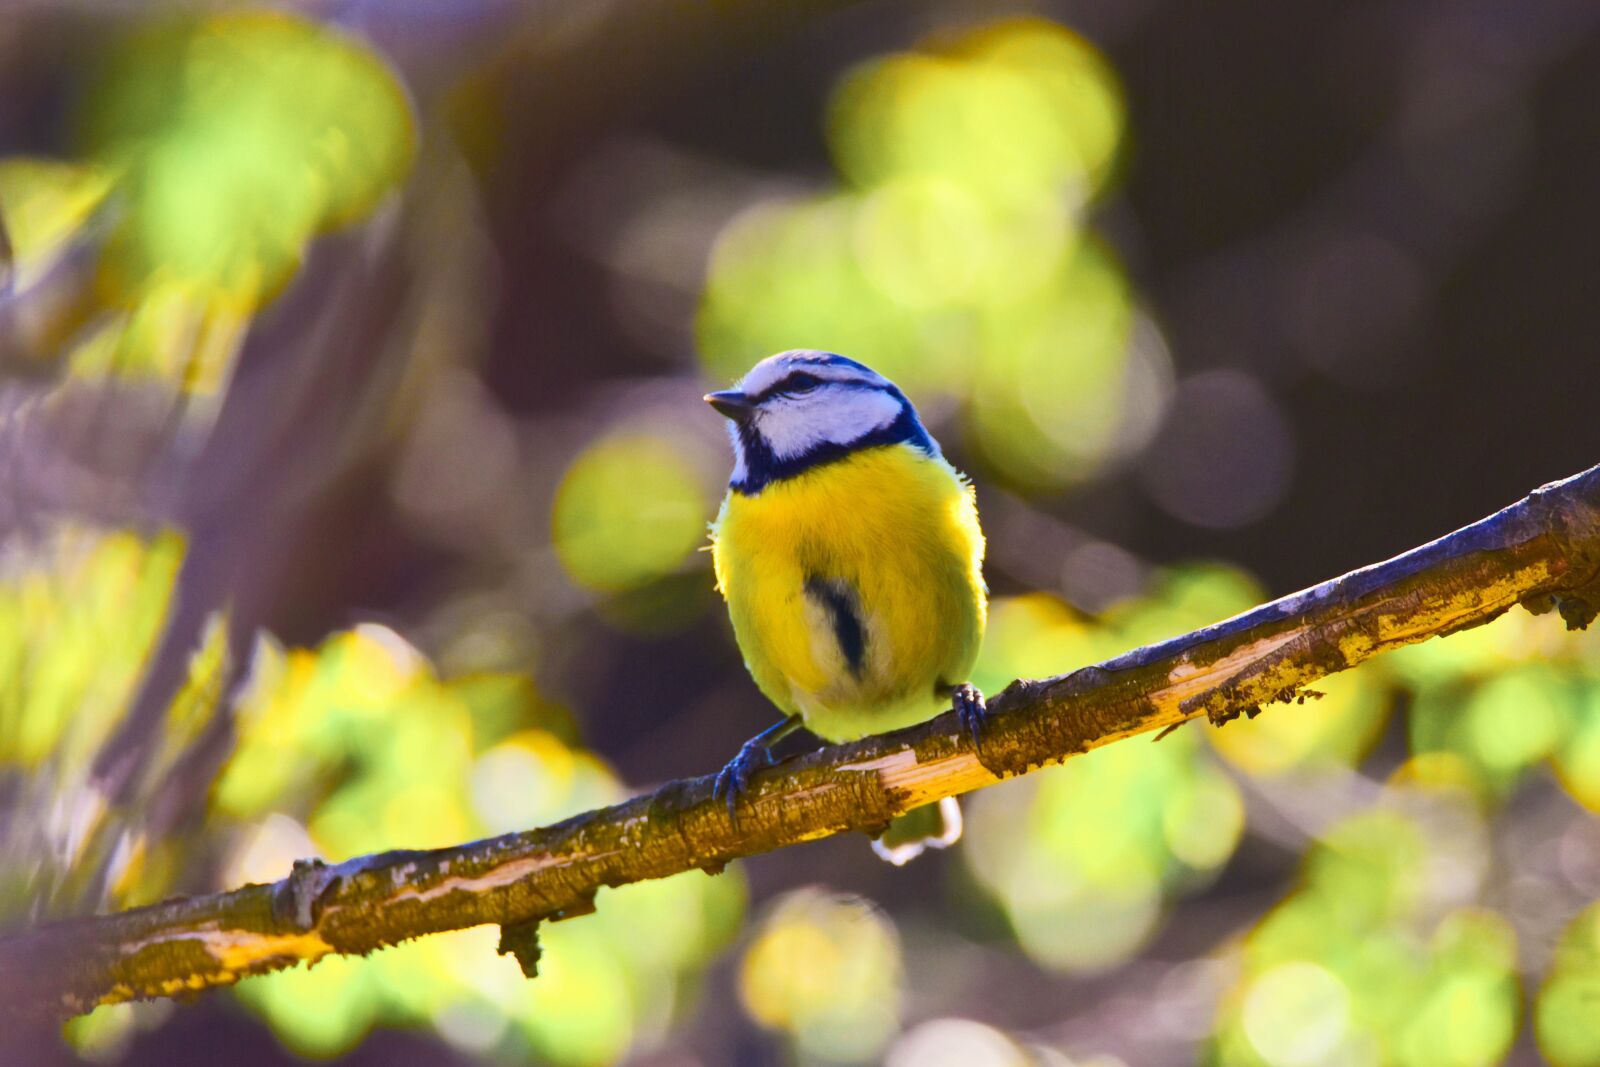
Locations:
{"points": [[930, 826]]}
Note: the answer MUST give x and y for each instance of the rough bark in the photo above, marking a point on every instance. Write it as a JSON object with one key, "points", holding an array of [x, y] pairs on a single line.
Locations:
{"points": [[1542, 552]]}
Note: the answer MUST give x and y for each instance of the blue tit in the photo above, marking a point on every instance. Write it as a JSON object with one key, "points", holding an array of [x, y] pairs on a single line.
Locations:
{"points": [[850, 555]]}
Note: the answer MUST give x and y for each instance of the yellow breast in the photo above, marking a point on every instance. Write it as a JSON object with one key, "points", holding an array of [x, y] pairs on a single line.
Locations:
{"points": [[888, 537]]}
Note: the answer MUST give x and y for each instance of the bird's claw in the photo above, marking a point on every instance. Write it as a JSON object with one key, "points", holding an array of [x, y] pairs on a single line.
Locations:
{"points": [[970, 709], [734, 779]]}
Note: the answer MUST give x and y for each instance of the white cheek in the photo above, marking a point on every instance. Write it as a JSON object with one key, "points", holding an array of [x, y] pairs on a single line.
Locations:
{"points": [[740, 469], [841, 417]]}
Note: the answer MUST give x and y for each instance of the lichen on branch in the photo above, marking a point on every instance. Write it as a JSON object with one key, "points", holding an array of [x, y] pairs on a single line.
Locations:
{"points": [[1542, 552]]}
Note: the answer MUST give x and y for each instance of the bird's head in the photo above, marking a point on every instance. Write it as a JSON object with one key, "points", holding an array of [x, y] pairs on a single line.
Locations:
{"points": [[797, 410]]}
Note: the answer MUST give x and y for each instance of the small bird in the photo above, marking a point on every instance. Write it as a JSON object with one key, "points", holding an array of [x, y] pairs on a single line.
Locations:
{"points": [[850, 555]]}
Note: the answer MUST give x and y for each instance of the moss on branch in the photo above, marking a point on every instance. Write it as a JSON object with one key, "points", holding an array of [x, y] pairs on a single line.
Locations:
{"points": [[1542, 552]]}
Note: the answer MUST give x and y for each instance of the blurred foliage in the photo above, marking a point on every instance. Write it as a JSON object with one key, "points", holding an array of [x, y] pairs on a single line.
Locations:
{"points": [[953, 250], [629, 510], [1505, 699], [1381, 955], [219, 147], [956, 251], [43, 203], [359, 746], [398, 757], [1083, 857], [104, 1035], [237, 138], [1569, 1002], [825, 969], [80, 611], [1369, 960]]}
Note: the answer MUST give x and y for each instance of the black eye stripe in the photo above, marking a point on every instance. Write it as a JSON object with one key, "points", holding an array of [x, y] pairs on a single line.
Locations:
{"points": [[801, 382]]}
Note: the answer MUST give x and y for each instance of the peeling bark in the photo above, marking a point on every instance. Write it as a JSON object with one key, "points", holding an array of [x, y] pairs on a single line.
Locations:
{"points": [[1542, 552]]}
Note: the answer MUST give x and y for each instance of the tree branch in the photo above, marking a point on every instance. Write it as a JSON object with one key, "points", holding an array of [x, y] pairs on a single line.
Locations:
{"points": [[1542, 552]]}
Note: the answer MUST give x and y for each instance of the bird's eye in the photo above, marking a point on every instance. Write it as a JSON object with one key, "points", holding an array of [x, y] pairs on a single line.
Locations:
{"points": [[800, 383]]}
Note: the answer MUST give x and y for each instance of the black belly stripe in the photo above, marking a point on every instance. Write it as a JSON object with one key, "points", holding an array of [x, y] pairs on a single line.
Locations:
{"points": [[839, 601]]}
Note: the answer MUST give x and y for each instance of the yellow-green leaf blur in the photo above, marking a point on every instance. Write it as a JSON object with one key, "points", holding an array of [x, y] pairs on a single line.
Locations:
{"points": [[355, 489]]}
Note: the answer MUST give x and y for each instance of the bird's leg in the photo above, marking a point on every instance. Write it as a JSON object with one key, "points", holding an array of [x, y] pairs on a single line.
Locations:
{"points": [[969, 707], [754, 754]]}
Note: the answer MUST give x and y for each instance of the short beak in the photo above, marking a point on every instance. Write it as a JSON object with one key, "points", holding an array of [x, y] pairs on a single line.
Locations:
{"points": [[732, 403]]}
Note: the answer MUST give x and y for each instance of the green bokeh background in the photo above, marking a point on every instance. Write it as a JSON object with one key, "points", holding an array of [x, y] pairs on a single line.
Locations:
{"points": [[412, 560]]}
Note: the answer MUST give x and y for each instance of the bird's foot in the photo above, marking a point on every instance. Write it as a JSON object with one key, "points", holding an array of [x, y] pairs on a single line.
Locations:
{"points": [[970, 709], [734, 779]]}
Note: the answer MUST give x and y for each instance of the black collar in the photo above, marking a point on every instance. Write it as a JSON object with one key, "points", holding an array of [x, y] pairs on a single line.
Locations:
{"points": [[762, 467]]}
